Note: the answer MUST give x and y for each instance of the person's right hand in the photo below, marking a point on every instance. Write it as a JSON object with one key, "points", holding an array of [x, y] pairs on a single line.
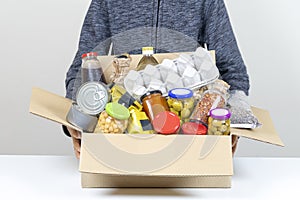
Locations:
{"points": [[76, 138]]}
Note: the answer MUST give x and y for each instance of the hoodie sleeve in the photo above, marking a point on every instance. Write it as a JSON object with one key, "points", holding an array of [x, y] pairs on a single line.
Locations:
{"points": [[94, 37], [220, 37]]}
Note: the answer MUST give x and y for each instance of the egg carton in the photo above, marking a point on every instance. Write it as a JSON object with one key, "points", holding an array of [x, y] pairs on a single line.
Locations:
{"points": [[189, 70]]}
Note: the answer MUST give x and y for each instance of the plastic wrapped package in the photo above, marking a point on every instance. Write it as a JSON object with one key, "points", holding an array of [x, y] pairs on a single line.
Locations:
{"points": [[241, 113]]}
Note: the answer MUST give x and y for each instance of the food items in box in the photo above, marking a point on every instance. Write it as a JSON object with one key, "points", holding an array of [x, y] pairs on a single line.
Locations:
{"points": [[166, 123], [189, 70], [193, 128], [219, 122], [181, 102], [91, 69], [138, 120], [114, 119], [121, 65], [147, 59], [153, 103], [92, 97], [215, 96], [120, 95]]}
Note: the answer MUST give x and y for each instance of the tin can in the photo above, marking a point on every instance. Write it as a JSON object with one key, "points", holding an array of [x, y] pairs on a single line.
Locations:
{"points": [[92, 97]]}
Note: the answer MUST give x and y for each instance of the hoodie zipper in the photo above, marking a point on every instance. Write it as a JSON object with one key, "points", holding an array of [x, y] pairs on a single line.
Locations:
{"points": [[156, 24]]}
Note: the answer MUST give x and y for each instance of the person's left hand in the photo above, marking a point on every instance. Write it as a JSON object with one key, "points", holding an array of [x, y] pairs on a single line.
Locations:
{"points": [[76, 138]]}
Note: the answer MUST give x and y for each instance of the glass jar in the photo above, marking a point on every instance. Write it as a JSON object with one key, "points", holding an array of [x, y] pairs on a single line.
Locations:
{"points": [[91, 69], [219, 122], [154, 103], [214, 97], [181, 102], [147, 59], [166, 123], [114, 119]]}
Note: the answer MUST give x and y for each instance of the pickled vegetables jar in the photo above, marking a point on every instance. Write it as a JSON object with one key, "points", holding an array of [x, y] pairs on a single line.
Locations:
{"points": [[219, 122], [181, 102], [114, 119]]}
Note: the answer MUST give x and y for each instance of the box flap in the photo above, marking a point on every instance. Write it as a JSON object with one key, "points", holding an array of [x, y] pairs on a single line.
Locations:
{"points": [[50, 106], [156, 155], [266, 133]]}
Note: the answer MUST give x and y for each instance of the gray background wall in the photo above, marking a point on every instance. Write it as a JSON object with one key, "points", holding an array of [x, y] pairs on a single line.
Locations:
{"points": [[38, 40]]}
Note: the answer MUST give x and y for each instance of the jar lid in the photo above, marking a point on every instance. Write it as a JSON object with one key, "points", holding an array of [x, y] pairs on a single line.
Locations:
{"points": [[180, 93], [166, 123], [220, 113], [92, 97], [89, 54], [194, 128], [149, 93], [117, 111]]}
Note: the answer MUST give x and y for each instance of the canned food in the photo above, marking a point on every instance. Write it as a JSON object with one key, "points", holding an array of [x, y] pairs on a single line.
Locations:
{"points": [[219, 122], [92, 97], [181, 102]]}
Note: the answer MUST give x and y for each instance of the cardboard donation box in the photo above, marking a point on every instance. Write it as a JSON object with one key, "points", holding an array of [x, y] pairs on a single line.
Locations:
{"points": [[152, 160]]}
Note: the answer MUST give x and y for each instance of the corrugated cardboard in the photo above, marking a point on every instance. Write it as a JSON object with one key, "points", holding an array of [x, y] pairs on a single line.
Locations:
{"points": [[128, 160], [137, 160]]}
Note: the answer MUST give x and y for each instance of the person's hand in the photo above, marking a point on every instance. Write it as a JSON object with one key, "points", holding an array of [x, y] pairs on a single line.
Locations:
{"points": [[234, 142], [76, 138], [238, 100]]}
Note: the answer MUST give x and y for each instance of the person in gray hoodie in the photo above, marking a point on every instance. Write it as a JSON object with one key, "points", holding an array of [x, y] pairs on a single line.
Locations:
{"points": [[168, 26]]}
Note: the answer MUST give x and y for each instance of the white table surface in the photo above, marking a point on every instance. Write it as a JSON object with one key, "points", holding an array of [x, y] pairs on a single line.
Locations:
{"points": [[57, 177]]}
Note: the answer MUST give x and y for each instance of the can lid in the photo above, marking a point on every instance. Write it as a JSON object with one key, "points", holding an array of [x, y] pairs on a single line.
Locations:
{"points": [[89, 54], [220, 113], [149, 93], [92, 97], [194, 128], [117, 111], [166, 123], [180, 93]]}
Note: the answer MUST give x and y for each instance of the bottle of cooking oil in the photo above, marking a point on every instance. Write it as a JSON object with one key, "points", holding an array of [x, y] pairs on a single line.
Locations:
{"points": [[147, 59]]}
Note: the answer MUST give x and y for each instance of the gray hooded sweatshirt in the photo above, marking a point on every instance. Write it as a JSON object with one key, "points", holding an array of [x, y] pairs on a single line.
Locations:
{"points": [[168, 26]]}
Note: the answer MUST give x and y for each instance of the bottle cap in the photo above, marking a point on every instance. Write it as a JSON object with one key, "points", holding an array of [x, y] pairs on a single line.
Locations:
{"points": [[89, 54], [147, 50], [220, 113], [180, 93], [166, 123], [117, 111], [194, 128]]}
